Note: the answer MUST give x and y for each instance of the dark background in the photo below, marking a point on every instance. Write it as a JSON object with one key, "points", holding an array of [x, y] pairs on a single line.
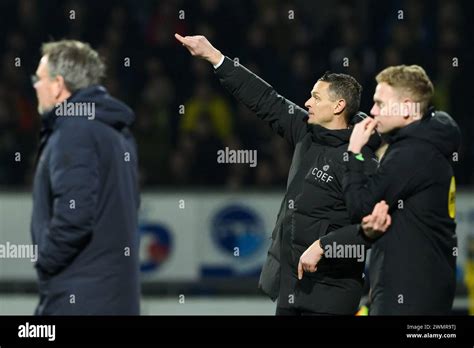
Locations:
{"points": [[291, 54]]}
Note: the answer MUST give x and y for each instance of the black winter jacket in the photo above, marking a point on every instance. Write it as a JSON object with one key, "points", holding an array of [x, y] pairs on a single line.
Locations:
{"points": [[313, 207], [412, 266]]}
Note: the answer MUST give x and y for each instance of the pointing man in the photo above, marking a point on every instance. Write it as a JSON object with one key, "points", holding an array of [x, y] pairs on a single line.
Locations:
{"points": [[313, 212]]}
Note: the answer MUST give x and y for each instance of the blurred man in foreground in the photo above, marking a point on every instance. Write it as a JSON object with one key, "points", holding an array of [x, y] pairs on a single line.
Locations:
{"points": [[85, 195]]}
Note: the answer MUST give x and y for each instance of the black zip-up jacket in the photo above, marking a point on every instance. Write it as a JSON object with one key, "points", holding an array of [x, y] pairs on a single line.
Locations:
{"points": [[412, 266], [313, 207]]}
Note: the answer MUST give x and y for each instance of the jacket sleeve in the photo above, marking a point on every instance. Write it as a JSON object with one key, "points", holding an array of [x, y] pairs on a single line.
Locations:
{"points": [[397, 176], [285, 117], [74, 181], [347, 235], [352, 234]]}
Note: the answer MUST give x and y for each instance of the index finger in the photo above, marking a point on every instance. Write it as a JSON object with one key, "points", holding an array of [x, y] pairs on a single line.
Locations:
{"points": [[180, 38], [376, 209], [383, 207], [365, 121]]}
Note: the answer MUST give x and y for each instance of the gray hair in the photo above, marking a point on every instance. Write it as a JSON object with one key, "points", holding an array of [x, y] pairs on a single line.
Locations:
{"points": [[75, 61]]}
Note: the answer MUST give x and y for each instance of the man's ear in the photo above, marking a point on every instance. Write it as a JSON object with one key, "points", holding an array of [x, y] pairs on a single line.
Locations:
{"points": [[410, 108], [405, 108], [60, 86], [339, 107]]}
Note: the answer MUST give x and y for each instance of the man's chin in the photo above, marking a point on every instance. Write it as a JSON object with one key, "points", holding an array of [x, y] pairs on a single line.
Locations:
{"points": [[312, 120], [382, 130], [43, 110]]}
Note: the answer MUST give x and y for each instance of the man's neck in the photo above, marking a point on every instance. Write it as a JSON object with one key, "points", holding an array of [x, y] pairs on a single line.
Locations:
{"points": [[380, 152], [335, 125]]}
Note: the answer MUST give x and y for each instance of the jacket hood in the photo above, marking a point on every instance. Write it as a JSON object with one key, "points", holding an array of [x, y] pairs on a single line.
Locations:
{"points": [[101, 107], [437, 128]]}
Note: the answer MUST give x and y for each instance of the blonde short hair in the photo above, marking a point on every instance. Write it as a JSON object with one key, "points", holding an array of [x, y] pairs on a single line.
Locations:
{"points": [[412, 79]]}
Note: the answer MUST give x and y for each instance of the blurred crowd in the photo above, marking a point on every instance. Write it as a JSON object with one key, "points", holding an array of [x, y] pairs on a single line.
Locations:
{"points": [[184, 116]]}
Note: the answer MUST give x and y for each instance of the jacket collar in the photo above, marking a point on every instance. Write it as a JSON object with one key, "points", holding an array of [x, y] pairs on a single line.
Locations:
{"points": [[338, 137], [401, 133], [329, 137]]}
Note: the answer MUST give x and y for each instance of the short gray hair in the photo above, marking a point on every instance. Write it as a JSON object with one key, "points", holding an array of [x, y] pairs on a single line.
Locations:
{"points": [[77, 62]]}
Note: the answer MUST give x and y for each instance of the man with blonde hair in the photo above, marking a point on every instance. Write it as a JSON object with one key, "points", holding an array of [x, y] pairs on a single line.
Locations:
{"points": [[412, 265]]}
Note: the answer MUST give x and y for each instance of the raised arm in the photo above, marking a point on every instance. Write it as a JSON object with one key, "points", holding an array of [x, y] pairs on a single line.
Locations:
{"points": [[284, 117]]}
